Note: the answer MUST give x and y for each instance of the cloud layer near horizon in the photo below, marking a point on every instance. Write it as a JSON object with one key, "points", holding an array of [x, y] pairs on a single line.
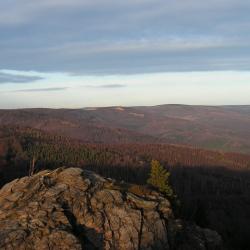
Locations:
{"points": [[203, 88], [124, 37]]}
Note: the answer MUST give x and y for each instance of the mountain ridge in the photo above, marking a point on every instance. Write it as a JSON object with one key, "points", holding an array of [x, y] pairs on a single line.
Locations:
{"points": [[211, 127]]}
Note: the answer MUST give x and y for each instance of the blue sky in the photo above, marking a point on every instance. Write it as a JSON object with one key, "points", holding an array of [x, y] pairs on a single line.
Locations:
{"points": [[78, 53]]}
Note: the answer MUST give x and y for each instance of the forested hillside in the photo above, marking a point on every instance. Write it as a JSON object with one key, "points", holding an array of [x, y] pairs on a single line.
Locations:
{"points": [[211, 127], [213, 187]]}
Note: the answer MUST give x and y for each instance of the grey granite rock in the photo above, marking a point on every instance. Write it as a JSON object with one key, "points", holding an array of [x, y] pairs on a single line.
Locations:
{"points": [[76, 209]]}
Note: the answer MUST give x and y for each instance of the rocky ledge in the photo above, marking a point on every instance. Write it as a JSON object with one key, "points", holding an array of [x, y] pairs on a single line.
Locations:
{"points": [[76, 209]]}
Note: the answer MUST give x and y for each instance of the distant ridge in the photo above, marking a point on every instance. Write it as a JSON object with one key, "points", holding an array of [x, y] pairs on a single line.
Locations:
{"points": [[213, 127]]}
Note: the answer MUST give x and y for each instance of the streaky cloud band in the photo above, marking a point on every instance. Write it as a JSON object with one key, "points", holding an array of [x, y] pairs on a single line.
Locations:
{"points": [[12, 78], [105, 86], [41, 89]]}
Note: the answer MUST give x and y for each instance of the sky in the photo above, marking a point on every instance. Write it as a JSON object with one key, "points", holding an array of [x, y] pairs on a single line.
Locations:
{"points": [[82, 53]]}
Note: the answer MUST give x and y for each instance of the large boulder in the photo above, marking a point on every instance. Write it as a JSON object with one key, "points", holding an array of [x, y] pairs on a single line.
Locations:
{"points": [[76, 209]]}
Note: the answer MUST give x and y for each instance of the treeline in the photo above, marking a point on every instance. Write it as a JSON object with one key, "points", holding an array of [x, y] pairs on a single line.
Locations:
{"points": [[60, 150]]}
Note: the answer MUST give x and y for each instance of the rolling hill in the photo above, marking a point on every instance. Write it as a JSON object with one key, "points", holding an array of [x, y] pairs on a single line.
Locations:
{"points": [[213, 127]]}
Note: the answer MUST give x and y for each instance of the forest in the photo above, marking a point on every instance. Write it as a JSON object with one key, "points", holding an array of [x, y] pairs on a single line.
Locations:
{"points": [[212, 188]]}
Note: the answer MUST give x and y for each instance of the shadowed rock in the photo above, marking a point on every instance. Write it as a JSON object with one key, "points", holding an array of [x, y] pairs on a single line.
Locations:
{"points": [[76, 209]]}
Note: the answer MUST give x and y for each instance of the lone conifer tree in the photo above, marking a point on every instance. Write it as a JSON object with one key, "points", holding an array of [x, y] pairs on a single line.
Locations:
{"points": [[159, 178]]}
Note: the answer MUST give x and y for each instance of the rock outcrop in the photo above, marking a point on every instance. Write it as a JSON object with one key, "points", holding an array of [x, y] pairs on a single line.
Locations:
{"points": [[76, 209]]}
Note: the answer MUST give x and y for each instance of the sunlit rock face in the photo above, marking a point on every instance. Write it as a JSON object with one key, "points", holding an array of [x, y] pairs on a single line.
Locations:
{"points": [[76, 209]]}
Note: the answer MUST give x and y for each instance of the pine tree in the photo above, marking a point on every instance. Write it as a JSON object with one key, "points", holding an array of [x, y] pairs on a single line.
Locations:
{"points": [[159, 178]]}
